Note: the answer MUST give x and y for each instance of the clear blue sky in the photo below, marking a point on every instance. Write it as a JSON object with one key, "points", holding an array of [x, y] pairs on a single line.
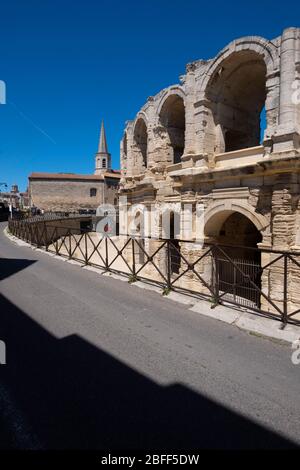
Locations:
{"points": [[68, 64]]}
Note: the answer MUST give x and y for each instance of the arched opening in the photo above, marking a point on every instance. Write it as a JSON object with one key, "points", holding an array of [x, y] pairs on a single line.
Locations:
{"points": [[103, 162], [237, 91], [172, 117], [238, 231], [237, 262], [141, 140]]}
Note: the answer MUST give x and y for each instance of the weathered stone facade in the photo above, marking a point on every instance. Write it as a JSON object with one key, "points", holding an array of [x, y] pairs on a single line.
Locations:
{"points": [[200, 141], [70, 193]]}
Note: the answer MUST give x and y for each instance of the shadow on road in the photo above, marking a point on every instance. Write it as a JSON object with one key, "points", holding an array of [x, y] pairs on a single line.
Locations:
{"points": [[10, 266], [66, 394]]}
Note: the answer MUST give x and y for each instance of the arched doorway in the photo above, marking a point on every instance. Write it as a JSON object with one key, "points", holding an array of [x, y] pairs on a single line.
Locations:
{"points": [[172, 118], [237, 261]]}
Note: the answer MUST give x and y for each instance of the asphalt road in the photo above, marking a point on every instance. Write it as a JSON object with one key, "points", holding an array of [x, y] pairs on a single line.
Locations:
{"points": [[93, 362]]}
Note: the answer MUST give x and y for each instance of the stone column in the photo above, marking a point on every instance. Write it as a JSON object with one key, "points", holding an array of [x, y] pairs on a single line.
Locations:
{"points": [[189, 148], [287, 135], [287, 74], [149, 110], [272, 108], [130, 155]]}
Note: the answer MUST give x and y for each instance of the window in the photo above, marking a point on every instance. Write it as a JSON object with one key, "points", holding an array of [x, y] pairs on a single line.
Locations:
{"points": [[103, 162], [93, 192]]}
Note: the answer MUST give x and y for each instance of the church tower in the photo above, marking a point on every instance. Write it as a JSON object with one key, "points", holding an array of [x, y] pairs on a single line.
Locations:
{"points": [[103, 158]]}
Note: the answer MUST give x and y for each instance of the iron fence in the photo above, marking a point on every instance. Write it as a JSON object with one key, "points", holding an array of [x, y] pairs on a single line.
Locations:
{"points": [[261, 280]]}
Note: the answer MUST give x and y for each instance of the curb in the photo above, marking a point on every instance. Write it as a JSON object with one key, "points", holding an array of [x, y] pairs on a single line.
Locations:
{"points": [[257, 325]]}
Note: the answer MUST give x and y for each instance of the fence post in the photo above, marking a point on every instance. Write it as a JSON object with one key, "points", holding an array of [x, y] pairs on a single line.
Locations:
{"points": [[106, 253], [56, 242], [285, 291], [133, 259], [215, 276], [85, 248], [168, 265], [38, 236], [70, 244]]}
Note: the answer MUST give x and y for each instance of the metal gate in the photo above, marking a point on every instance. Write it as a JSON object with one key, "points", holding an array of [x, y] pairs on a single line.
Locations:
{"points": [[233, 278]]}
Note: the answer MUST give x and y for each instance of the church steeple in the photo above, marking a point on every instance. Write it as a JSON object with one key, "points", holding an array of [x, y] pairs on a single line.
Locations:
{"points": [[102, 141], [103, 157]]}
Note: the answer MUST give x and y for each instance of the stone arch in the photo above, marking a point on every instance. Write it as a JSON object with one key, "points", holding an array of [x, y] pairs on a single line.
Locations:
{"points": [[257, 44], [217, 213], [174, 90], [137, 219], [171, 122], [238, 85], [141, 115], [238, 230]]}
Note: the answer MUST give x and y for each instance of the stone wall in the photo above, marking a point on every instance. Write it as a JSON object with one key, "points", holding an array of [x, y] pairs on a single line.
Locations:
{"points": [[68, 195]]}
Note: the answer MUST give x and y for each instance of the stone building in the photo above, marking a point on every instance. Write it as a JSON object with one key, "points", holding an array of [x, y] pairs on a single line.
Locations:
{"points": [[71, 192], [202, 141], [15, 198]]}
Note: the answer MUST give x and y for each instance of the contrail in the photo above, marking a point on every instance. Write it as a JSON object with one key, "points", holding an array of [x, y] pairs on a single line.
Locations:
{"points": [[32, 123]]}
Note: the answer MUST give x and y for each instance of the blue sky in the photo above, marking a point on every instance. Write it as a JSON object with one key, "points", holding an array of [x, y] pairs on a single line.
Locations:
{"points": [[68, 64]]}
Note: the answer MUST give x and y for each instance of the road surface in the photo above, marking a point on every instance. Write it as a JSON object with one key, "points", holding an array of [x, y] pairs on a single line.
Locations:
{"points": [[97, 363]]}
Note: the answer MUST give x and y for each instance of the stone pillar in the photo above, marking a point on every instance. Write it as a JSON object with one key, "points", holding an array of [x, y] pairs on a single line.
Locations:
{"points": [[190, 87], [149, 111], [287, 135], [130, 156], [204, 131], [150, 147], [272, 108], [287, 74]]}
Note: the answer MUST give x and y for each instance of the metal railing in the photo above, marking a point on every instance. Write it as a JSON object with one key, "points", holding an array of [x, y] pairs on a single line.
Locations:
{"points": [[48, 216], [261, 280]]}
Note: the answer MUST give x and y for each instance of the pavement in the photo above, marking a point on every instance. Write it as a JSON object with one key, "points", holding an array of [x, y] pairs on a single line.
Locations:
{"points": [[95, 363]]}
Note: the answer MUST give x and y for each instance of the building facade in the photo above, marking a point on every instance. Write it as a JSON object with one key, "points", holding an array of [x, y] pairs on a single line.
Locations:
{"points": [[70, 192], [15, 198], [201, 142]]}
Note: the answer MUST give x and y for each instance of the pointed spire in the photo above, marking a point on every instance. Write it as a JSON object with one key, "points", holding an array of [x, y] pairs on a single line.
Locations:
{"points": [[103, 157], [102, 141]]}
